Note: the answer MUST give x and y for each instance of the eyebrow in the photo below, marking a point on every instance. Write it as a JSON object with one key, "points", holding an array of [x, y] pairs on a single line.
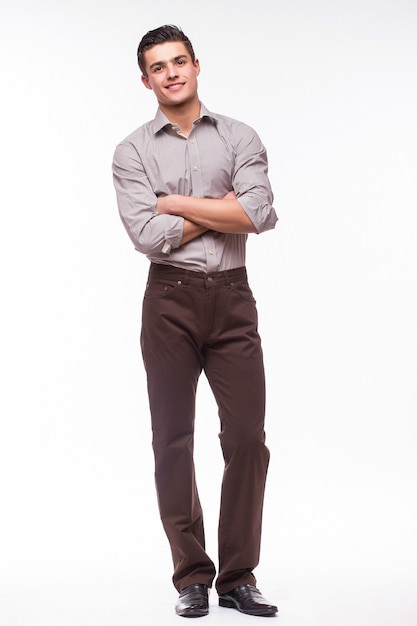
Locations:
{"points": [[180, 56]]}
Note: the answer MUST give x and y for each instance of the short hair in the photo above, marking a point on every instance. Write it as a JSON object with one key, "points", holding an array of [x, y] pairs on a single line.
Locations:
{"points": [[162, 34]]}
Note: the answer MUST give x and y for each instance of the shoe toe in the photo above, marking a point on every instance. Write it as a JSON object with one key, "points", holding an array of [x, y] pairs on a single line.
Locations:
{"points": [[193, 601], [249, 600]]}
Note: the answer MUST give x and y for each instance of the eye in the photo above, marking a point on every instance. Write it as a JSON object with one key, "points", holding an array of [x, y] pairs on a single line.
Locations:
{"points": [[181, 62], [157, 68]]}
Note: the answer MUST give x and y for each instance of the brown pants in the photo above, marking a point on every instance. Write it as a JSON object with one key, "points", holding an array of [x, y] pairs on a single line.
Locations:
{"points": [[193, 322]]}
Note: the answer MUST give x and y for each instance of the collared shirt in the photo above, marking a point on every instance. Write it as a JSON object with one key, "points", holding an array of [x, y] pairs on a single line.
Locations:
{"points": [[219, 155]]}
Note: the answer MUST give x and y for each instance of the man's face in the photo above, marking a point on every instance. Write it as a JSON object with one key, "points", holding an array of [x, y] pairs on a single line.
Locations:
{"points": [[171, 74]]}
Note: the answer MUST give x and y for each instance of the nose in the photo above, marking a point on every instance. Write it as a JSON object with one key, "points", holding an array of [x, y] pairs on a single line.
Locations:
{"points": [[172, 70]]}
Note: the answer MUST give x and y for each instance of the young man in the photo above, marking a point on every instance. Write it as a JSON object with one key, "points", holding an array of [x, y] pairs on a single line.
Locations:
{"points": [[190, 186]]}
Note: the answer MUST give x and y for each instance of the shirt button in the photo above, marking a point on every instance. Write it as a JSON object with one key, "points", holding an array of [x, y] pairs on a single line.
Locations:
{"points": [[211, 251], [179, 282], [195, 168], [192, 140]]}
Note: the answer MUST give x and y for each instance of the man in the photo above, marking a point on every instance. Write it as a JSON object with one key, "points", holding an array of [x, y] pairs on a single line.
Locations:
{"points": [[190, 186]]}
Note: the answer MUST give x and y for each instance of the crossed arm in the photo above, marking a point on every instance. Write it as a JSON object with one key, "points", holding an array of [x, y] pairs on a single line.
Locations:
{"points": [[224, 215]]}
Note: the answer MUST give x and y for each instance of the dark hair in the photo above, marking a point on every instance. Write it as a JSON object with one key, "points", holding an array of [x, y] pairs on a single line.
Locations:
{"points": [[168, 32]]}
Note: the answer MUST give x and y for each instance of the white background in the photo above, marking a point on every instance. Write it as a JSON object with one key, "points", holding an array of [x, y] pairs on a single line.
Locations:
{"points": [[331, 89]]}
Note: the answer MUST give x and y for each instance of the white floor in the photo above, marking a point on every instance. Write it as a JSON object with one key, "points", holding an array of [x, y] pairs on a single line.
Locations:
{"points": [[108, 602]]}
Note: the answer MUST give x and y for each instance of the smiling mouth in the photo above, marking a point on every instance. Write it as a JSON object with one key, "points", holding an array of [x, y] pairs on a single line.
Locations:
{"points": [[175, 86]]}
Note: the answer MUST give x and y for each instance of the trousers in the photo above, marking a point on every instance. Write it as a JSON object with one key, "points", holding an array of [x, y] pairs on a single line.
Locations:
{"points": [[194, 322]]}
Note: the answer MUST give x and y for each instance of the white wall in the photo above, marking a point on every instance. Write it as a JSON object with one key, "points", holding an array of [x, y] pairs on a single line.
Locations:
{"points": [[331, 89]]}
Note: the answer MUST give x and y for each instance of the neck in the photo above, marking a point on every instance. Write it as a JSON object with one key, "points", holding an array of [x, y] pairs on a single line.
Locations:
{"points": [[183, 115]]}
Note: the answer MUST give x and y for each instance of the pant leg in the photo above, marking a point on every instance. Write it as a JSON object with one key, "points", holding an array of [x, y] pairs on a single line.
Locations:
{"points": [[170, 341], [235, 370]]}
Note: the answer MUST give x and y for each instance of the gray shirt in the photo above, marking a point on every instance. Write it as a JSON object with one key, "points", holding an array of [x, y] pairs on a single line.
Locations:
{"points": [[220, 155]]}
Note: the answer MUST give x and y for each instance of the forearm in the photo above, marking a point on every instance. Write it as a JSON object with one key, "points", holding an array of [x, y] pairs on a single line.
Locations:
{"points": [[191, 231], [224, 215]]}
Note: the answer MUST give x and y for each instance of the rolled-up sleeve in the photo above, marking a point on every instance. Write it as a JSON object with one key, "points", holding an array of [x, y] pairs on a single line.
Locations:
{"points": [[150, 232], [250, 179]]}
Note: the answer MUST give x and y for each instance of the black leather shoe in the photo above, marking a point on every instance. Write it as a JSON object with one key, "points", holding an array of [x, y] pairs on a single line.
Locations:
{"points": [[247, 599], [193, 601]]}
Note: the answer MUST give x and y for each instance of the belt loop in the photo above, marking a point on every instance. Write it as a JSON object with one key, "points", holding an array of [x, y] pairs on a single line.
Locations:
{"points": [[186, 277], [227, 279]]}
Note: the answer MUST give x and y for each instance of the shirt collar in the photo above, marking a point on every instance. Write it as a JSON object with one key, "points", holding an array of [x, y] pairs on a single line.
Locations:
{"points": [[161, 120]]}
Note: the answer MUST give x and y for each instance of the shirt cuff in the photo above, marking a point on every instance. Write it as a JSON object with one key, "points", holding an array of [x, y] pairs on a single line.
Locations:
{"points": [[173, 232], [263, 217]]}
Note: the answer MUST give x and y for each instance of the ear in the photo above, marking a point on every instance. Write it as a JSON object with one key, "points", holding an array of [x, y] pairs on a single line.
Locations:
{"points": [[145, 81], [197, 66]]}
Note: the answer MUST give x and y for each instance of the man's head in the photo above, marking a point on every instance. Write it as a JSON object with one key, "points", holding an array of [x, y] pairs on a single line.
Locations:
{"points": [[158, 36], [170, 69]]}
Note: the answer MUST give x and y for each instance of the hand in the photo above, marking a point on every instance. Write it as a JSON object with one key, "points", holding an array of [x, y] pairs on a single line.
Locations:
{"points": [[230, 196], [165, 205]]}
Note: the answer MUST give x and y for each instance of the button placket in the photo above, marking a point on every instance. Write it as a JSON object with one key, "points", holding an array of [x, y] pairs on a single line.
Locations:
{"points": [[195, 167], [194, 164]]}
